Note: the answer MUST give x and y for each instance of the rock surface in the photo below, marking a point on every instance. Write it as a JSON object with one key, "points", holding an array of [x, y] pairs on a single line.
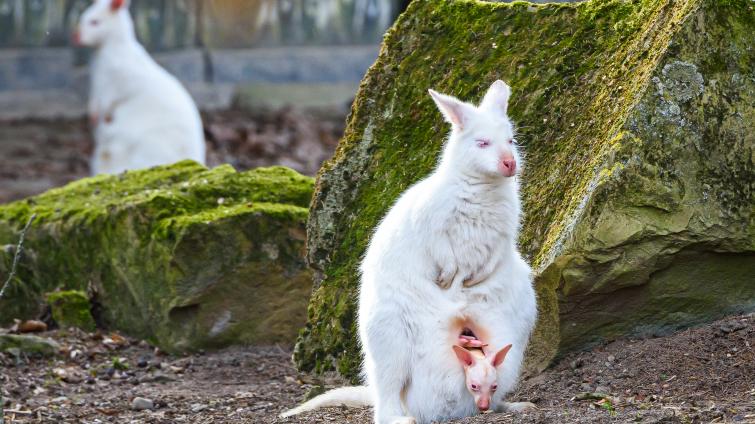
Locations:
{"points": [[28, 345], [637, 119], [184, 256], [140, 404]]}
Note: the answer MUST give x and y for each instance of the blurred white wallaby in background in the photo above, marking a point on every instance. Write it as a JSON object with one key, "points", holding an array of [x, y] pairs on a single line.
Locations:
{"points": [[141, 115]]}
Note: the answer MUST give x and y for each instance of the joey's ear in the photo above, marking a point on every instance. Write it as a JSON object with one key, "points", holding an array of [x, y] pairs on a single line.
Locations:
{"points": [[117, 4], [454, 110], [501, 355], [465, 356], [497, 98]]}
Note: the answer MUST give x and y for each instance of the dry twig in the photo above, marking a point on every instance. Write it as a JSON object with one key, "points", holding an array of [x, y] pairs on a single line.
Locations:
{"points": [[17, 255]]}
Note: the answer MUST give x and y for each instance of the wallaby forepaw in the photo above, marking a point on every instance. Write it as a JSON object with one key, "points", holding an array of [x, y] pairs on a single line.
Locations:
{"points": [[469, 341], [519, 406], [444, 284], [445, 278], [472, 281]]}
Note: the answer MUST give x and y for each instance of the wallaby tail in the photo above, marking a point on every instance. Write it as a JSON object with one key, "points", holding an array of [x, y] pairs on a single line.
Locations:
{"points": [[355, 396]]}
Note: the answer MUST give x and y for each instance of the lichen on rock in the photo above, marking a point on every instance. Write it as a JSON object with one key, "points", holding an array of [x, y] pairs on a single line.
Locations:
{"points": [[636, 118], [178, 254]]}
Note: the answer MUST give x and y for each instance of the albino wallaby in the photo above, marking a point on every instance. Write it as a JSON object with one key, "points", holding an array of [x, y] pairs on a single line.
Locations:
{"points": [[480, 370], [448, 247], [141, 115]]}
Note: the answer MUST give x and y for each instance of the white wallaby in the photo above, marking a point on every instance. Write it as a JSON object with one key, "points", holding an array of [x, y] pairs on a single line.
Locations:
{"points": [[480, 373], [448, 248], [141, 115]]}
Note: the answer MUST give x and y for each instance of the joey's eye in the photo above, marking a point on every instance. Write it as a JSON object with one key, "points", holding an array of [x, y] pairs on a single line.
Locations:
{"points": [[475, 387], [94, 22], [511, 141], [482, 143], [494, 387]]}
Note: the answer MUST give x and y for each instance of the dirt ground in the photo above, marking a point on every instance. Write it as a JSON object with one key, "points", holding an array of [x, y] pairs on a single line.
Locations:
{"points": [[36, 155], [700, 375]]}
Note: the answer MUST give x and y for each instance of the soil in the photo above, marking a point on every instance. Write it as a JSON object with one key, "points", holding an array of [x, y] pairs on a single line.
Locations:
{"points": [[36, 155], [700, 375]]}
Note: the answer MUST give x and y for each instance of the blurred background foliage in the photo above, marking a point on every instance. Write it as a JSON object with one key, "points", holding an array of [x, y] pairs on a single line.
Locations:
{"points": [[173, 24]]}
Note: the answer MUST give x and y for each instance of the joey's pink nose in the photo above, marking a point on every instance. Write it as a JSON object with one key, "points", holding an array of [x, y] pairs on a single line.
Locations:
{"points": [[507, 167], [76, 38], [483, 404]]}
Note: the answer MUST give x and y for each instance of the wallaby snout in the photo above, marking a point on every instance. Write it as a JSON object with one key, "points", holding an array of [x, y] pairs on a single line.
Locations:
{"points": [[507, 165]]}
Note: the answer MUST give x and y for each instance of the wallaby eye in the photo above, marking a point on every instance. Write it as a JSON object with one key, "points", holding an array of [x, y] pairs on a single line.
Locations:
{"points": [[511, 141], [482, 143], [475, 387], [494, 387], [94, 22]]}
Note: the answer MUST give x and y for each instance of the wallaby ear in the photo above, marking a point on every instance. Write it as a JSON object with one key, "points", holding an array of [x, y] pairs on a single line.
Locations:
{"points": [[497, 98], [454, 110], [117, 4], [501, 355], [465, 356]]}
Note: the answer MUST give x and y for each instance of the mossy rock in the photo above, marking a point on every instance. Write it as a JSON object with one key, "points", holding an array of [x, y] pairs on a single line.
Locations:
{"points": [[71, 308], [637, 120], [22, 344], [181, 255]]}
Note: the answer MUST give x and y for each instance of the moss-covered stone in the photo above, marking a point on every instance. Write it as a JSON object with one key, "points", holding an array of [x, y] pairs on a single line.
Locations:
{"points": [[182, 255], [637, 119], [71, 308], [21, 344]]}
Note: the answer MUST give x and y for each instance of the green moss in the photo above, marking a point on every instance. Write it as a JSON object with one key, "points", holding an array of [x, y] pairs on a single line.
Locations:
{"points": [[71, 308], [578, 72], [170, 252], [28, 345]]}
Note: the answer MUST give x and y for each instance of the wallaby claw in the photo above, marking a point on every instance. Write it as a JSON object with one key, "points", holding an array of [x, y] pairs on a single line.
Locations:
{"points": [[404, 420], [518, 407]]}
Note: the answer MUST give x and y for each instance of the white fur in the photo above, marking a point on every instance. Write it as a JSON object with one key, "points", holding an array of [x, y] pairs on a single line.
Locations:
{"points": [[458, 224], [446, 250], [347, 396], [142, 115]]}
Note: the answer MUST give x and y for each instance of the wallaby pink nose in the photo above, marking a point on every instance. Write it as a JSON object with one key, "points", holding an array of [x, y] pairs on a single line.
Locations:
{"points": [[507, 167], [483, 405]]}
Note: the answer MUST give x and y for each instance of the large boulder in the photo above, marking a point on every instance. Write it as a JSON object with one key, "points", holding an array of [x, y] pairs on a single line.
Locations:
{"points": [[637, 120], [182, 255]]}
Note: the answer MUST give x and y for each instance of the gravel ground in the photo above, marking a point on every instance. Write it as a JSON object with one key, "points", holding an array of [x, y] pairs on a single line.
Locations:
{"points": [[700, 375], [36, 155]]}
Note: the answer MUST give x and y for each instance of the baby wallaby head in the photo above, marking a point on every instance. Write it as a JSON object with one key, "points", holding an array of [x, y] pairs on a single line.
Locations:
{"points": [[103, 20], [482, 140], [481, 372]]}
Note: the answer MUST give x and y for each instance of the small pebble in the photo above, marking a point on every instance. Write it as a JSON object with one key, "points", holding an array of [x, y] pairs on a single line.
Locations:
{"points": [[198, 407], [611, 358], [140, 404], [603, 389]]}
